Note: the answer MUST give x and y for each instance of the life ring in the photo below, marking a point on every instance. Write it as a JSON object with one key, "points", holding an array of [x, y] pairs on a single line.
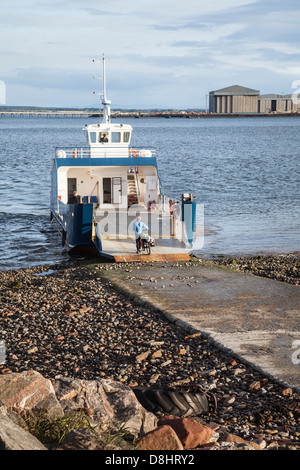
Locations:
{"points": [[74, 153], [133, 152]]}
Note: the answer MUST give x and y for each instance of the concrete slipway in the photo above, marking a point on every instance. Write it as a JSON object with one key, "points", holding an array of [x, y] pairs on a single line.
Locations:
{"points": [[256, 318]]}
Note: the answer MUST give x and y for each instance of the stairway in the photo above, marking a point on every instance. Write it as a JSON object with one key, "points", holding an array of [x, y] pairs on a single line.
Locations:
{"points": [[132, 190]]}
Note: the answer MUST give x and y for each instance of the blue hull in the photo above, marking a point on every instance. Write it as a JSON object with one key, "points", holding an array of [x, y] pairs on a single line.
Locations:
{"points": [[73, 221]]}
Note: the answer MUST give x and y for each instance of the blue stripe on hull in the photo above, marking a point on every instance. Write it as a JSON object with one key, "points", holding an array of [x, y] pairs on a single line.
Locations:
{"points": [[118, 161], [75, 222]]}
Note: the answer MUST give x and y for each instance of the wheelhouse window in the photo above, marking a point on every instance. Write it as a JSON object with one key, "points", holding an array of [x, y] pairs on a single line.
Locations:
{"points": [[126, 137], [103, 137], [116, 137], [93, 137]]}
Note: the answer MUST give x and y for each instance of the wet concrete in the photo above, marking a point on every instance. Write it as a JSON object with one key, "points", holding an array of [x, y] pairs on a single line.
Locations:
{"points": [[254, 317]]}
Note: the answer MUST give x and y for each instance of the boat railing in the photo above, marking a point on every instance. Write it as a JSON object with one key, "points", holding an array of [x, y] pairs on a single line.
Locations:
{"points": [[111, 152]]}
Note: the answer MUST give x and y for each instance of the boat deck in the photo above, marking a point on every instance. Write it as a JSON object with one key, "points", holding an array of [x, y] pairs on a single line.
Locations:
{"points": [[123, 250], [119, 246]]}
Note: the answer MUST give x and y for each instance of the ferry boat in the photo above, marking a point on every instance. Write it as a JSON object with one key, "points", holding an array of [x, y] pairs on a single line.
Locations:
{"points": [[115, 183]]}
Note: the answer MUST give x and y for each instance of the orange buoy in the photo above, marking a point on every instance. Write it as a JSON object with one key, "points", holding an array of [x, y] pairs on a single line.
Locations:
{"points": [[133, 152]]}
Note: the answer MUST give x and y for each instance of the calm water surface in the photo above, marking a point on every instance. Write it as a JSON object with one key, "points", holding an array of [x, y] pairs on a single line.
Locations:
{"points": [[245, 171]]}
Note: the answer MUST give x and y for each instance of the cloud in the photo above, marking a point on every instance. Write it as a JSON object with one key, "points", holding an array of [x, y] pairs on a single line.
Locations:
{"points": [[159, 47], [51, 79]]}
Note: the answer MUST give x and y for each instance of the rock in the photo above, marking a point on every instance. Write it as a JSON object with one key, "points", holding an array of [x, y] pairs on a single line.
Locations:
{"points": [[29, 391], [242, 406], [195, 335], [233, 363], [162, 438], [212, 425], [190, 432], [110, 403], [255, 386], [32, 350], [228, 400], [127, 409], [156, 354], [261, 443], [227, 437], [76, 394], [154, 378], [141, 357], [13, 437], [83, 348]]}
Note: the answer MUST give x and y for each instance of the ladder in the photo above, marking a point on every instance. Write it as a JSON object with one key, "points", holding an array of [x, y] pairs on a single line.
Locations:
{"points": [[132, 190]]}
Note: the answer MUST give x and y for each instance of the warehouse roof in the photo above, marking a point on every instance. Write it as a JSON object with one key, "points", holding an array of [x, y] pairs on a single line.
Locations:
{"points": [[273, 96], [235, 90]]}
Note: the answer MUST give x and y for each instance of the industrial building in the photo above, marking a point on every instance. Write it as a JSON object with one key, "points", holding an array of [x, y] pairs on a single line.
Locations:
{"points": [[234, 99], [238, 99], [275, 104]]}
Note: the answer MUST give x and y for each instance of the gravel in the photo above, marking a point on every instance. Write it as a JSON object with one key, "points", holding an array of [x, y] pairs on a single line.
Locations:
{"points": [[285, 268], [68, 321]]}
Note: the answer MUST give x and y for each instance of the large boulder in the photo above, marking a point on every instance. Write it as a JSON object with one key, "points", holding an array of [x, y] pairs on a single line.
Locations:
{"points": [[29, 391], [13, 437], [109, 403], [190, 432], [161, 438]]}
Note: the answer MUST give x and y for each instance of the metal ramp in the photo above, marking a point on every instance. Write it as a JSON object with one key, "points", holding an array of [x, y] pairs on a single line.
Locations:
{"points": [[124, 251]]}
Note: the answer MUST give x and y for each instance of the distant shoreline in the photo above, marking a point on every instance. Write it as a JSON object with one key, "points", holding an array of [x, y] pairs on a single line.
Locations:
{"points": [[35, 111], [186, 114]]}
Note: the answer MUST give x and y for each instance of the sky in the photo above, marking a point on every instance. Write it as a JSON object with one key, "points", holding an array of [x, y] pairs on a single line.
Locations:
{"points": [[159, 53]]}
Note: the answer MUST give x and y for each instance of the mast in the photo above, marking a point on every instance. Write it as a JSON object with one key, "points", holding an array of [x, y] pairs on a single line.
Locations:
{"points": [[106, 103]]}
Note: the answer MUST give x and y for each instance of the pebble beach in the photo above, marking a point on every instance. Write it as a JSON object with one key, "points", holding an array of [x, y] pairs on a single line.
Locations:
{"points": [[69, 321]]}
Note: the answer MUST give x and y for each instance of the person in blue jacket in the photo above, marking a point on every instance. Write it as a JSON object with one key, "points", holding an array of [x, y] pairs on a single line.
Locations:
{"points": [[138, 227]]}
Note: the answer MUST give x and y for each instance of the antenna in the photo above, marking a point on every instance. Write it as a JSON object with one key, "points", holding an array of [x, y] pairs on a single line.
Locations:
{"points": [[106, 103]]}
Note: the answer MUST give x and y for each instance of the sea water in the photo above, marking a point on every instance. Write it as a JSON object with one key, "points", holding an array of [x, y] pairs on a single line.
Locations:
{"points": [[245, 171]]}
